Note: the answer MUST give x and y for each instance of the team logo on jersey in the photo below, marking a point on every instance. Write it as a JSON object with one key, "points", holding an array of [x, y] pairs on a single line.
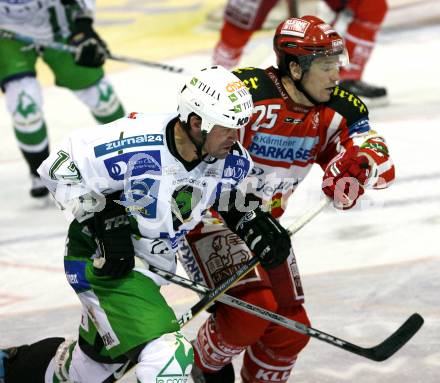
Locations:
{"points": [[184, 199], [129, 142], [315, 120], [60, 170], [236, 168], [283, 149], [133, 164], [140, 197], [226, 256], [179, 366]]}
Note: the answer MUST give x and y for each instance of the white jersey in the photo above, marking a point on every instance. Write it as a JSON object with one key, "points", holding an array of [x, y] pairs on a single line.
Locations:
{"points": [[39, 19], [132, 154]]}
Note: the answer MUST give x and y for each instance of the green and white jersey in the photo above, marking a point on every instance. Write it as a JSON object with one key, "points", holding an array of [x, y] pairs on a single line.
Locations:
{"points": [[165, 196], [42, 19]]}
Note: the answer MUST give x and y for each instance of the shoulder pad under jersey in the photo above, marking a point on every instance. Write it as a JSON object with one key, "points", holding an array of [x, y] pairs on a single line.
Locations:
{"points": [[348, 105], [258, 83]]}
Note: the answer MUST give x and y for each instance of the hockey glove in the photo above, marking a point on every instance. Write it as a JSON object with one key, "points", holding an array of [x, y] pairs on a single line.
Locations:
{"points": [[267, 239], [91, 50], [345, 178], [112, 233]]}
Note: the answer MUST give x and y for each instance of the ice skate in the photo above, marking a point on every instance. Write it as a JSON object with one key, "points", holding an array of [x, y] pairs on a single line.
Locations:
{"points": [[225, 375], [38, 190]]}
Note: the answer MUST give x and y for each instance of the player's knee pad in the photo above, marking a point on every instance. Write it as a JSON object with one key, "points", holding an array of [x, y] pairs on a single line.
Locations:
{"points": [[211, 352], [239, 328], [295, 341], [102, 101], [165, 359], [71, 364], [24, 102], [273, 357]]}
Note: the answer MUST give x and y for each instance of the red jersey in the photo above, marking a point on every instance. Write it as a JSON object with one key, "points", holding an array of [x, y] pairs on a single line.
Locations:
{"points": [[285, 139]]}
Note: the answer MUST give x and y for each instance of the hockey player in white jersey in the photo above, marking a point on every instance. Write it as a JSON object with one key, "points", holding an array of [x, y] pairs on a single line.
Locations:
{"points": [[66, 21], [135, 187]]}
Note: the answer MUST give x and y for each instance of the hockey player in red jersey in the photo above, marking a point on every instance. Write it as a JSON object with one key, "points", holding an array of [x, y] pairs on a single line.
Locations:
{"points": [[300, 117], [243, 17], [365, 18]]}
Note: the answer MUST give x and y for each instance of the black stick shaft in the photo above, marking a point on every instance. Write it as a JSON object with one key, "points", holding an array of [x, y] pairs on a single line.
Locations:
{"points": [[377, 353]]}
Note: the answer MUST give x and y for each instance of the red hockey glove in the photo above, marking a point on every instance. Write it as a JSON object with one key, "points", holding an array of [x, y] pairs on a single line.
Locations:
{"points": [[345, 178]]}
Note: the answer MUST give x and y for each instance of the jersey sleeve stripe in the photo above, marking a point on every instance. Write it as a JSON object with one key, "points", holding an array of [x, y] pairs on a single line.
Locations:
{"points": [[360, 126], [333, 127]]}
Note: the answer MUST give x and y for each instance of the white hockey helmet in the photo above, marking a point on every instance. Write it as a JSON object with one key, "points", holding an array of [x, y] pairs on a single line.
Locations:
{"points": [[218, 97]]}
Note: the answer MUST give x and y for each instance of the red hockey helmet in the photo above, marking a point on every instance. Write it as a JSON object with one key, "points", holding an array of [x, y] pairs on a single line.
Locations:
{"points": [[304, 39]]}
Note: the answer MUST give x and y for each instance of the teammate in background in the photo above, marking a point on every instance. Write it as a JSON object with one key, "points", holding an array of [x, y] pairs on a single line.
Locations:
{"points": [[301, 117], [243, 17], [170, 169], [67, 21]]}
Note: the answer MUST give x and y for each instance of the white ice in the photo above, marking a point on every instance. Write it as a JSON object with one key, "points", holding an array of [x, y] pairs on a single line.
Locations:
{"points": [[364, 271]]}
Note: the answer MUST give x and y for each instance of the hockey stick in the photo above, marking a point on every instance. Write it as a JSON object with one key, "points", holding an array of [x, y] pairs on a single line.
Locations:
{"points": [[215, 293], [218, 291], [71, 49], [308, 216], [377, 353]]}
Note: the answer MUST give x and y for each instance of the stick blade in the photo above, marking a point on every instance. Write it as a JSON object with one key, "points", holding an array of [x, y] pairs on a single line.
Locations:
{"points": [[396, 340]]}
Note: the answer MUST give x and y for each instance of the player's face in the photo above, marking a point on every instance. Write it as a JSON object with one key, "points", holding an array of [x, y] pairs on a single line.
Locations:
{"points": [[321, 78], [220, 140]]}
